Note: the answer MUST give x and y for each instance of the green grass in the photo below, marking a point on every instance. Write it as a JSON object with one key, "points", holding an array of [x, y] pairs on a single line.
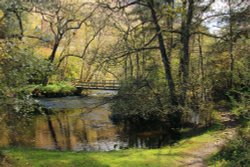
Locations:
{"points": [[51, 89], [167, 156], [57, 89]]}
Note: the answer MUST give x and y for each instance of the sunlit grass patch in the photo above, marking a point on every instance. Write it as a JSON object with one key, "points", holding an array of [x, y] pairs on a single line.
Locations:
{"points": [[166, 156]]}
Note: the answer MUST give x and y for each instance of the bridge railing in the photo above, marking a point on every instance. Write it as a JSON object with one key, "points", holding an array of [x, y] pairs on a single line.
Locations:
{"points": [[103, 84]]}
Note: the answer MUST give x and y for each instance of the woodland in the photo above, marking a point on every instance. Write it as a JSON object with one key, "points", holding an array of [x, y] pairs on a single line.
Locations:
{"points": [[181, 67]]}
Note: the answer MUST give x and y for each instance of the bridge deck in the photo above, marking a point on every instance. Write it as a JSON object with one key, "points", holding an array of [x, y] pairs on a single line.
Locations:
{"points": [[98, 85]]}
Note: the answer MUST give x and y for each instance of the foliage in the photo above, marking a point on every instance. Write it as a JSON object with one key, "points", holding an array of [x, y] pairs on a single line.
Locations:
{"points": [[19, 67], [13, 13], [151, 99], [59, 89], [240, 103], [236, 152]]}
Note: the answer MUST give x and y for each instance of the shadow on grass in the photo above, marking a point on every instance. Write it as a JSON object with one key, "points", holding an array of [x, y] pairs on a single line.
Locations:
{"points": [[226, 121], [199, 130]]}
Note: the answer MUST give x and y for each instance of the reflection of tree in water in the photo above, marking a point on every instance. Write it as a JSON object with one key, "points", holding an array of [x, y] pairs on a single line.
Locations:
{"points": [[16, 128], [80, 130], [68, 131], [146, 133], [98, 134], [51, 129], [65, 130], [94, 133], [60, 127], [76, 129], [4, 131]]}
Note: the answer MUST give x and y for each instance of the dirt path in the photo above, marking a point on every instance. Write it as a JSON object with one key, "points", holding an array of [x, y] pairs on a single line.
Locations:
{"points": [[197, 156]]}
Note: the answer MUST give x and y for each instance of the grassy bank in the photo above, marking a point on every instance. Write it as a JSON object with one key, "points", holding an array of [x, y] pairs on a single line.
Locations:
{"points": [[51, 90], [167, 156]]}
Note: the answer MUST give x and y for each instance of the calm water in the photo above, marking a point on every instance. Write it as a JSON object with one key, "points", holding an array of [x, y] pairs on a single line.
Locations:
{"points": [[75, 123]]}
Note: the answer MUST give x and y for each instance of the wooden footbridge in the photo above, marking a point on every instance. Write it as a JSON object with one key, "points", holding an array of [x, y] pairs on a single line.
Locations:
{"points": [[97, 85]]}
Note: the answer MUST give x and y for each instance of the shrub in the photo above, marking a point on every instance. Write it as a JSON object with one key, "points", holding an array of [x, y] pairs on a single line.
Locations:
{"points": [[141, 100], [52, 90]]}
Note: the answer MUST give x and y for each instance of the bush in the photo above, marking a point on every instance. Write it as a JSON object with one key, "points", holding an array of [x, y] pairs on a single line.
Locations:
{"points": [[54, 90], [141, 101], [240, 99]]}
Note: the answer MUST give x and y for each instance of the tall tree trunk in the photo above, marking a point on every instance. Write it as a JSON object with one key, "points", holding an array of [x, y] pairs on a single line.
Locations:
{"points": [[185, 69], [53, 53], [126, 69], [164, 56], [202, 72], [137, 66], [93, 73], [64, 70], [143, 67], [185, 40], [20, 23], [231, 45], [131, 66], [51, 59], [81, 73], [170, 26]]}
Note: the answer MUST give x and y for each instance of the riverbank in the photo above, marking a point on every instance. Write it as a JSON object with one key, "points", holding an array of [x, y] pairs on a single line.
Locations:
{"points": [[187, 152]]}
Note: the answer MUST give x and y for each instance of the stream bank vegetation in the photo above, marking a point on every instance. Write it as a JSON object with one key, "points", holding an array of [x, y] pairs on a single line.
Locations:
{"points": [[179, 61], [236, 151]]}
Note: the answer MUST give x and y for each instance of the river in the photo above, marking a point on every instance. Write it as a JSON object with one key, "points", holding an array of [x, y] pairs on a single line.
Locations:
{"points": [[75, 123]]}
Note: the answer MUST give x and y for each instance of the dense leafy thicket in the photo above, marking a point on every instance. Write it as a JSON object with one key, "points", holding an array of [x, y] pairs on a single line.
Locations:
{"points": [[18, 68]]}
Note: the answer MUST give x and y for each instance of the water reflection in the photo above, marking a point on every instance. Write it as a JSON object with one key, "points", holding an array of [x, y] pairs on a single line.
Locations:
{"points": [[85, 127], [147, 134], [76, 130], [16, 130]]}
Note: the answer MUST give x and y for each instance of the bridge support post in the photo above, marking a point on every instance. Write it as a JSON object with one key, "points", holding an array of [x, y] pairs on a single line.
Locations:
{"points": [[78, 90]]}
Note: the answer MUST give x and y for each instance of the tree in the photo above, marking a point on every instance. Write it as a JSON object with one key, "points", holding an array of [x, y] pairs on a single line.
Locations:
{"points": [[13, 13], [153, 19], [164, 56], [235, 9], [62, 20]]}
